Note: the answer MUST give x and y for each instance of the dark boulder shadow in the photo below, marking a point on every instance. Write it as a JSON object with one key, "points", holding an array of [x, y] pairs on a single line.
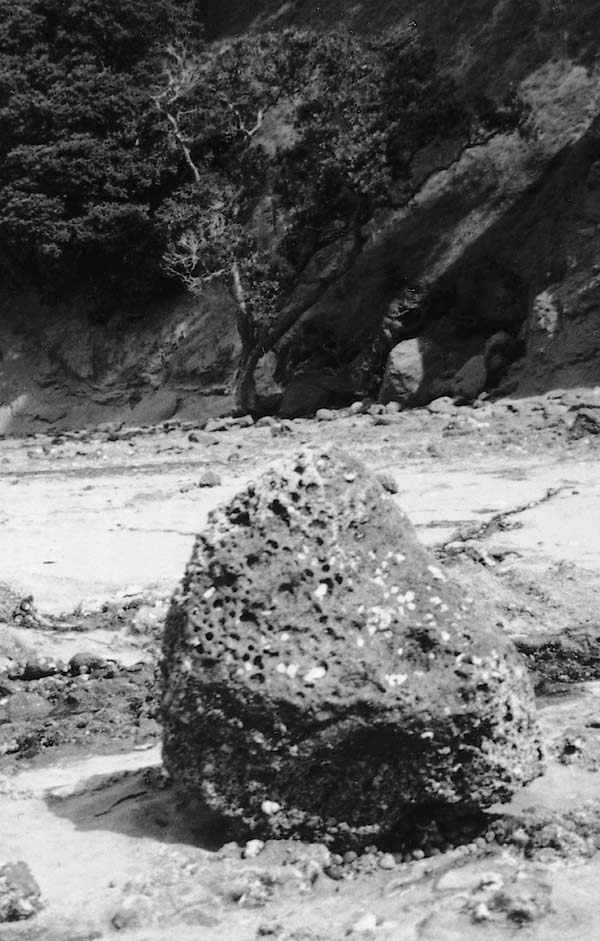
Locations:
{"points": [[141, 805]]}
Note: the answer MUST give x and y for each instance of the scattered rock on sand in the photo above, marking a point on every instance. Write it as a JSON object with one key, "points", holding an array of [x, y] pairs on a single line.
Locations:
{"points": [[20, 895], [404, 373], [86, 662], [323, 677], [587, 422], [209, 479], [470, 380]]}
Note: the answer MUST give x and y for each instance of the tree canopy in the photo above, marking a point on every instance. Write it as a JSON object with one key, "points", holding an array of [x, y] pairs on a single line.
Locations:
{"points": [[84, 156]]}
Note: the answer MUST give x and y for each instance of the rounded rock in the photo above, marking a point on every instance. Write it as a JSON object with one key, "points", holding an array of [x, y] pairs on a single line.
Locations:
{"points": [[318, 662]]}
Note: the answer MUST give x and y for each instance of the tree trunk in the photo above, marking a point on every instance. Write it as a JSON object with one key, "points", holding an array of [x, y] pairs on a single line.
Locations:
{"points": [[244, 386], [255, 344]]}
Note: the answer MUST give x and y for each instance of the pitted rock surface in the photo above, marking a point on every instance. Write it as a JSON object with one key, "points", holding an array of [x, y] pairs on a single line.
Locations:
{"points": [[322, 676]]}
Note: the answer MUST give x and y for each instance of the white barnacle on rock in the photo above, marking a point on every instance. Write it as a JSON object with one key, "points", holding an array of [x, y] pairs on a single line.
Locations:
{"points": [[445, 637], [399, 557], [360, 642], [437, 573], [209, 593], [436, 600], [314, 674], [395, 679], [292, 670], [379, 619], [321, 591]]}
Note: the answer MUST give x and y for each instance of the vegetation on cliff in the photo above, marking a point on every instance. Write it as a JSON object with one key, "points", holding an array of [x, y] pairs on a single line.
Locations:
{"points": [[132, 153], [84, 157]]}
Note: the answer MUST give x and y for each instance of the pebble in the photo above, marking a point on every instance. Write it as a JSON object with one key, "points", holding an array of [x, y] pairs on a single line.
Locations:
{"points": [[368, 922], [388, 483], [253, 848], [86, 662], [387, 861], [209, 479], [135, 911], [20, 896], [481, 913]]}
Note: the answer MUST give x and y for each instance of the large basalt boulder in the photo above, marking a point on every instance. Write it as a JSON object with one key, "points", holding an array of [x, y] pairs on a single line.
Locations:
{"points": [[310, 390], [469, 382], [322, 676], [404, 373]]}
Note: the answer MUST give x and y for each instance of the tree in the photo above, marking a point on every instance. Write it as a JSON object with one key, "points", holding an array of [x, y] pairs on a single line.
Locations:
{"points": [[84, 160], [294, 142]]}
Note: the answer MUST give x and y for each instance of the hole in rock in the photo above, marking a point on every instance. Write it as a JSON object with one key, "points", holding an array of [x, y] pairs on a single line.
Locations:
{"points": [[248, 617], [278, 509], [287, 587]]}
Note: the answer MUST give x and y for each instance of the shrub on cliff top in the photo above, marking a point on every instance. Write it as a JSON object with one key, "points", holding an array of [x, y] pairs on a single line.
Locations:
{"points": [[83, 155]]}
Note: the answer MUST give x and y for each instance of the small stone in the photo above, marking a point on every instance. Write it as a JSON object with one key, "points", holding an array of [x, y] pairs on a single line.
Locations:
{"points": [[387, 861], [441, 406], [135, 911], [357, 407], [519, 837], [368, 922], [39, 668], [388, 483], [209, 479], [253, 848], [282, 428], [418, 854], [198, 437], [86, 662], [587, 422], [270, 807], [23, 705], [481, 913], [20, 895], [324, 414]]}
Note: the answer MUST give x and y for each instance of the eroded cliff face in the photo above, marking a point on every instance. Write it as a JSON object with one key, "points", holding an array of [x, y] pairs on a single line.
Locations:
{"points": [[61, 368], [499, 237]]}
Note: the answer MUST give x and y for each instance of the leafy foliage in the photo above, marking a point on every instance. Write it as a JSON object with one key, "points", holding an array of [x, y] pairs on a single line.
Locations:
{"points": [[84, 160]]}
